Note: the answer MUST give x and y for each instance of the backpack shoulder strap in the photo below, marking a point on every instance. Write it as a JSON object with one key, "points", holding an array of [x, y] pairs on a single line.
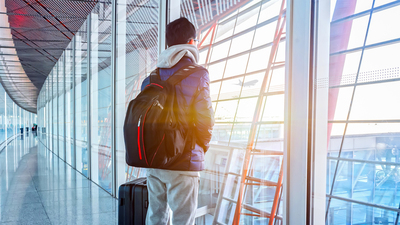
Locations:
{"points": [[184, 72], [155, 75]]}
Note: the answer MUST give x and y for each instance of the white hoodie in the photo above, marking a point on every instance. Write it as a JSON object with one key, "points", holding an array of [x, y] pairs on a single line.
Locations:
{"points": [[172, 55]]}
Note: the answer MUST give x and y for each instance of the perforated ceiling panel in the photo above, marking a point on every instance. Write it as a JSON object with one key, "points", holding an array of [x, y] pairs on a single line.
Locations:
{"points": [[36, 34]]}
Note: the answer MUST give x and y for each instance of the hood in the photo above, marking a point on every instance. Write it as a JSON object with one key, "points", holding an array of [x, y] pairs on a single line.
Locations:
{"points": [[172, 55]]}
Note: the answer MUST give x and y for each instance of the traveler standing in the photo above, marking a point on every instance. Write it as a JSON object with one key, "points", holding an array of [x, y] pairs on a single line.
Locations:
{"points": [[177, 186]]}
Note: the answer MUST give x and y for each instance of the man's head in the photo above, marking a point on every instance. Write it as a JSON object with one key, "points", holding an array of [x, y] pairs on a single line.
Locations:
{"points": [[180, 31]]}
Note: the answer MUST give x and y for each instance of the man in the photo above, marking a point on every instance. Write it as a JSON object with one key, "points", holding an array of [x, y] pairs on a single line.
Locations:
{"points": [[177, 187]]}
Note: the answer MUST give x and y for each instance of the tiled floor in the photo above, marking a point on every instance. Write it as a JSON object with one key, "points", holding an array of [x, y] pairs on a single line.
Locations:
{"points": [[36, 187]]}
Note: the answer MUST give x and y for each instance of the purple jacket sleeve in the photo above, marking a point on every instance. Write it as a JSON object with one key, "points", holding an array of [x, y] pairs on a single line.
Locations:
{"points": [[204, 119]]}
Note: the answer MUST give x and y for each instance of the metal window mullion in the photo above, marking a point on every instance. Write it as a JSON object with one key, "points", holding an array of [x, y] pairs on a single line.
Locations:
{"points": [[5, 115], [162, 21], [73, 103], [89, 137], [57, 105], [65, 110], [297, 82], [113, 79], [52, 113]]}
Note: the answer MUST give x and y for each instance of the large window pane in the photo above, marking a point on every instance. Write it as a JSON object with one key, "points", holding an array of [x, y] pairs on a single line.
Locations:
{"points": [[100, 95], [2, 115], [363, 157], [61, 108], [137, 53], [54, 100], [240, 52], [81, 107], [69, 101]]}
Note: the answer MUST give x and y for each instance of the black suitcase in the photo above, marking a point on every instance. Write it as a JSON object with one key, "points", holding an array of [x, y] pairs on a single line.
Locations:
{"points": [[133, 202]]}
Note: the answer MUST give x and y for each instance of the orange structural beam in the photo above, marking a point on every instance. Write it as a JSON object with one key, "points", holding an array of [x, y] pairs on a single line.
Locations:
{"points": [[246, 162], [276, 197]]}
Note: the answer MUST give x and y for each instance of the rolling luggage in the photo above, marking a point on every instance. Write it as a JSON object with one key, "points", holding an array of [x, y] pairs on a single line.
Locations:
{"points": [[133, 202]]}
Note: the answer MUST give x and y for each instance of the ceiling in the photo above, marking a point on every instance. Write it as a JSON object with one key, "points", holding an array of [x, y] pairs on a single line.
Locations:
{"points": [[33, 35]]}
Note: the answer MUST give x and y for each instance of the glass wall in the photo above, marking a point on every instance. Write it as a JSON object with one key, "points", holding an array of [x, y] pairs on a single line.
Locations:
{"points": [[81, 99], [363, 153], [61, 106], [69, 103], [11, 120], [9, 114], [54, 103], [247, 77], [3, 125], [242, 44], [100, 95], [243, 47], [136, 52]]}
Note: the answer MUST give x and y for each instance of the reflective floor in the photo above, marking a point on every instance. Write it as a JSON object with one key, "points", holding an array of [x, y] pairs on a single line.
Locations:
{"points": [[38, 188]]}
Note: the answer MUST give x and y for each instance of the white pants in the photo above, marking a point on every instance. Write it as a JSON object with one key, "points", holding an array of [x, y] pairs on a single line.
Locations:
{"points": [[176, 189]]}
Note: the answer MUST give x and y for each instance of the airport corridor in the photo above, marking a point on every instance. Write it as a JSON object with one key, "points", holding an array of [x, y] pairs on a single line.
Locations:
{"points": [[37, 187]]}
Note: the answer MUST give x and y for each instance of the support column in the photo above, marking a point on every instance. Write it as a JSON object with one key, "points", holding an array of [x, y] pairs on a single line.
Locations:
{"points": [[65, 110], [89, 72], [306, 111], [113, 80], [57, 110], [73, 160]]}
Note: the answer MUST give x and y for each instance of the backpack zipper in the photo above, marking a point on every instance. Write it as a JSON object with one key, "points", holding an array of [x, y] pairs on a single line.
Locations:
{"points": [[138, 138]]}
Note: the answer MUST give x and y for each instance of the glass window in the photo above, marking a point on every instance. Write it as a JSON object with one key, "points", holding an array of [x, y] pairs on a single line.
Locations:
{"points": [[241, 43], [69, 101], [380, 64], [216, 70], [258, 59], [247, 19], [252, 84], [378, 31], [372, 102], [343, 102], [100, 95], [220, 51], [269, 10], [231, 88], [224, 30], [264, 34], [245, 112], [382, 2], [137, 53], [2, 114], [367, 141], [214, 90], [349, 64], [10, 111], [237, 67], [225, 111], [81, 100], [61, 108], [54, 100]]}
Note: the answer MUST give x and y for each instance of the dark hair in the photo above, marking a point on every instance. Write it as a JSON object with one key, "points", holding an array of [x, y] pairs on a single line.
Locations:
{"points": [[179, 31]]}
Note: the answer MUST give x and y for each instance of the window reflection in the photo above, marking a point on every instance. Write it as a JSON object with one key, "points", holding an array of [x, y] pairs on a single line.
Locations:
{"points": [[100, 95], [364, 131], [81, 98], [137, 53]]}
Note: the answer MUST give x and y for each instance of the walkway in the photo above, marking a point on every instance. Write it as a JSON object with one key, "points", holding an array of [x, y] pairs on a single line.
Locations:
{"points": [[36, 187]]}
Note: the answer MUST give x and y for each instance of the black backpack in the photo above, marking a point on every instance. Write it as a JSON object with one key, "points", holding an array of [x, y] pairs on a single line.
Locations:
{"points": [[156, 128]]}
